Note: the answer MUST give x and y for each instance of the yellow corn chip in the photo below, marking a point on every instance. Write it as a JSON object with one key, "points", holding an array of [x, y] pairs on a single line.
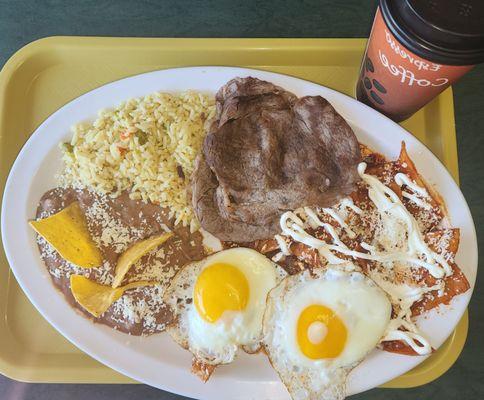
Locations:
{"points": [[67, 233], [96, 298], [134, 253]]}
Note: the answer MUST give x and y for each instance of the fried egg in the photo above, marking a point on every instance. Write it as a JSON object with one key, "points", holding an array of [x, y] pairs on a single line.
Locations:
{"points": [[319, 325], [219, 303]]}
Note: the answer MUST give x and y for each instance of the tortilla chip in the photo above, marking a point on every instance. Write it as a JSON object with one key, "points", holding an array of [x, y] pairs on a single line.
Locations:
{"points": [[202, 369], [399, 347], [371, 157], [96, 298], [264, 246], [444, 240], [308, 255], [408, 167], [66, 231], [134, 253]]}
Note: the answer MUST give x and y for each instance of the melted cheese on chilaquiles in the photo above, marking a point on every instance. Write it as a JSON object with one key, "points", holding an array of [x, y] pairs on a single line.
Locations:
{"points": [[383, 230]]}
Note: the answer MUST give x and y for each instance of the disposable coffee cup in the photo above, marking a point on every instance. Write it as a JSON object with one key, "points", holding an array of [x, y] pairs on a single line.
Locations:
{"points": [[416, 49]]}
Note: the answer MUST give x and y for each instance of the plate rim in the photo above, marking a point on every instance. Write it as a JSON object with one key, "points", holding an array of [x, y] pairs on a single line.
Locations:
{"points": [[237, 72]]}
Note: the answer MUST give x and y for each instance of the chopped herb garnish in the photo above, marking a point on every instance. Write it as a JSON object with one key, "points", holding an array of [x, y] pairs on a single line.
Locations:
{"points": [[67, 147], [142, 137]]}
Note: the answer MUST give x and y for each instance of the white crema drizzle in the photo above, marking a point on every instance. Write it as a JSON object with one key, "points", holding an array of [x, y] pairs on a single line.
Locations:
{"points": [[282, 245], [394, 215], [402, 179], [389, 204]]}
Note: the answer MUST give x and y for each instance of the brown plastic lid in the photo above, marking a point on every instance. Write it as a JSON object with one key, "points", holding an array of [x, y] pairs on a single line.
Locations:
{"points": [[444, 31]]}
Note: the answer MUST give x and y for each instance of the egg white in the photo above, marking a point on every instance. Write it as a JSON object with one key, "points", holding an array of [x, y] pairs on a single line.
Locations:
{"points": [[359, 303], [217, 343]]}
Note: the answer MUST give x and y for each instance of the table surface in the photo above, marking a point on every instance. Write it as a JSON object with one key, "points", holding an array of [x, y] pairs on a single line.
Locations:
{"points": [[22, 21]]}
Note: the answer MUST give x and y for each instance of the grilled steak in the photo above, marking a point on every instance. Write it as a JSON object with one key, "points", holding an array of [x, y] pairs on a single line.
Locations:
{"points": [[267, 152]]}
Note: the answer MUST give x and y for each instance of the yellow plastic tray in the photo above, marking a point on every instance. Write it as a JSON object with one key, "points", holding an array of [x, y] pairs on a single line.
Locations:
{"points": [[48, 73]]}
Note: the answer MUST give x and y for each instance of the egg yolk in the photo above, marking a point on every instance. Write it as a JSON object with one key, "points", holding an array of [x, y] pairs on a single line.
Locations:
{"points": [[320, 332], [220, 287]]}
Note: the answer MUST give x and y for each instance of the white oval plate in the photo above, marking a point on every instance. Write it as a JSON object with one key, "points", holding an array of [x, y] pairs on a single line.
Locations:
{"points": [[157, 360]]}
